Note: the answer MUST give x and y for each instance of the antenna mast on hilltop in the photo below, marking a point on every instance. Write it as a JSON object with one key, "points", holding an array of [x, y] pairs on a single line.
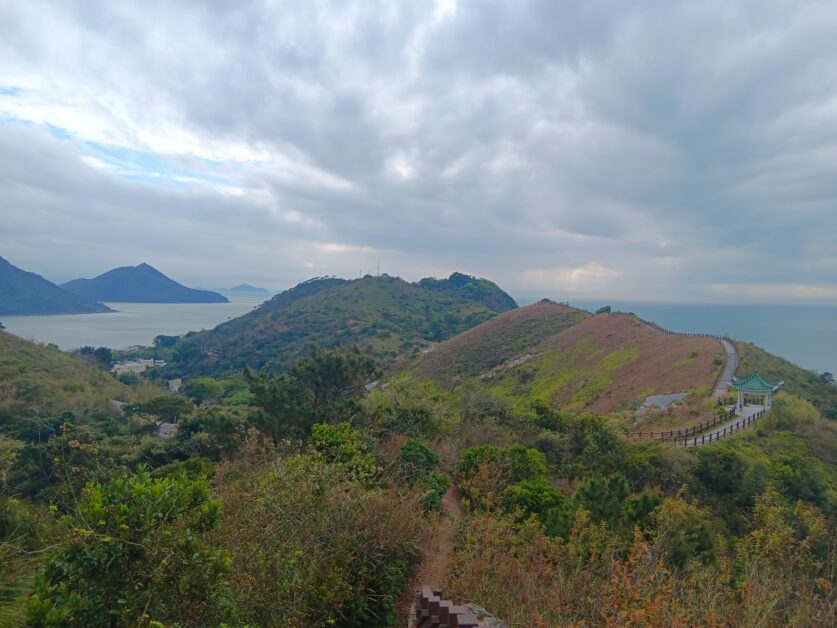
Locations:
{"points": [[379, 268]]}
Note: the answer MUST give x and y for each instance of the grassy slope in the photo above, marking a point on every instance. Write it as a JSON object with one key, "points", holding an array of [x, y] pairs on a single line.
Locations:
{"points": [[797, 380], [39, 380], [608, 361], [385, 316], [492, 343], [600, 363]]}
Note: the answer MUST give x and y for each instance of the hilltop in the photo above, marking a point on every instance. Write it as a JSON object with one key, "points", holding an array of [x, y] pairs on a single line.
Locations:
{"points": [[499, 339], [139, 284], [25, 293], [385, 316], [569, 359]]}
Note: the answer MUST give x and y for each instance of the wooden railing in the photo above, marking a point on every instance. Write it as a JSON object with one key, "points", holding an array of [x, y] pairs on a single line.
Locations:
{"points": [[684, 432], [431, 611], [729, 429]]}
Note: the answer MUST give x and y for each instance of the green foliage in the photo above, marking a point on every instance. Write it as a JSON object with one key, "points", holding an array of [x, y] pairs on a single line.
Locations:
{"points": [[345, 445], [432, 486], [419, 410], [604, 498], [312, 546], [215, 431], [41, 381], [323, 387], [136, 552], [515, 463], [416, 464], [641, 506], [683, 532], [536, 496], [415, 459], [165, 342], [201, 389], [165, 407], [720, 468], [384, 316]]}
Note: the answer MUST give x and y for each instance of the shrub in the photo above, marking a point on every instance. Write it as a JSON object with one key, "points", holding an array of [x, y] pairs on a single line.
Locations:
{"points": [[345, 445], [313, 546], [415, 459], [136, 553], [532, 496]]}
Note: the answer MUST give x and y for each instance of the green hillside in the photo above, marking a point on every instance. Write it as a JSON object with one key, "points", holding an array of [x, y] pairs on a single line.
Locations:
{"points": [[24, 293], [386, 317], [806, 384], [42, 381]]}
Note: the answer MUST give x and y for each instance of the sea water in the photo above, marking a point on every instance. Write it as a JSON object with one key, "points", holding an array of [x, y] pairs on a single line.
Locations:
{"points": [[805, 335], [131, 324]]}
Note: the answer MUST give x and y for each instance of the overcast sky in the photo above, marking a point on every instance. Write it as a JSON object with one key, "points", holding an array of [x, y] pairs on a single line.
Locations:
{"points": [[659, 150]]}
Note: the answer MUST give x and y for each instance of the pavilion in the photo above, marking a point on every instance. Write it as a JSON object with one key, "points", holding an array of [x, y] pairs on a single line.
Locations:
{"points": [[754, 385]]}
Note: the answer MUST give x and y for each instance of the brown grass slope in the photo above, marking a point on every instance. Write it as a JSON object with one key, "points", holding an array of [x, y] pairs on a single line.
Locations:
{"points": [[566, 359], [609, 361], [492, 343]]}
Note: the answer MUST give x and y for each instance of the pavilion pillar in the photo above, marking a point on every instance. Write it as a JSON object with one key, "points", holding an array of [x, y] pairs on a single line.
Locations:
{"points": [[768, 400], [740, 407]]}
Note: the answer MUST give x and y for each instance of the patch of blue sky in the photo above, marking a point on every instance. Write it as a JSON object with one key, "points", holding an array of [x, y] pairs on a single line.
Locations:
{"points": [[144, 166], [156, 168], [10, 90]]}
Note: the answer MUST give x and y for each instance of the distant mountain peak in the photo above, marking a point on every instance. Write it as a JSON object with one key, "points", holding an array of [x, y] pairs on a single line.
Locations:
{"points": [[140, 284], [246, 287], [24, 293]]}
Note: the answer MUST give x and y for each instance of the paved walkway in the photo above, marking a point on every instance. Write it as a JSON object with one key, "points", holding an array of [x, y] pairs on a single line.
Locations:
{"points": [[737, 422], [725, 380]]}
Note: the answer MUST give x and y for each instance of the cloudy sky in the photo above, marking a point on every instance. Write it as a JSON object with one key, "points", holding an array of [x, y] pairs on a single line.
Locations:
{"points": [[662, 150]]}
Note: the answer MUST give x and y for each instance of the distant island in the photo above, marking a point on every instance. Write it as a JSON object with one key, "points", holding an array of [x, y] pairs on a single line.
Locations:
{"points": [[246, 287], [23, 293], [139, 284]]}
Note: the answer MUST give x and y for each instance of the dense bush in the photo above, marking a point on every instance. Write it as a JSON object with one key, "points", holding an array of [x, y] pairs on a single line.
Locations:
{"points": [[135, 552], [311, 545]]}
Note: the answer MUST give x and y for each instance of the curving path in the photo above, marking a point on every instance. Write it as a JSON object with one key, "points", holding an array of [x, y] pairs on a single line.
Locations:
{"points": [[724, 382], [748, 415]]}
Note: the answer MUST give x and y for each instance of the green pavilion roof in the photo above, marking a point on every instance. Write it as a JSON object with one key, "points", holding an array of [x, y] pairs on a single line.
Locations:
{"points": [[755, 384]]}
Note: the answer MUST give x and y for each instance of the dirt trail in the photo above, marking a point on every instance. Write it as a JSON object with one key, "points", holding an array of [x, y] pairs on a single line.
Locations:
{"points": [[434, 567]]}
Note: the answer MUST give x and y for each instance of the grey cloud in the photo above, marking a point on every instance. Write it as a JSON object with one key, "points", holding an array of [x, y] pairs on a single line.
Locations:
{"points": [[680, 144]]}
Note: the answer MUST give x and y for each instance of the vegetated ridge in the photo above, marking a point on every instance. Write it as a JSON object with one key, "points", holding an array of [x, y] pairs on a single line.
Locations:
{"points": [[43, 381], [384, 316], [25, 293], [561, 357], [139, 284], [481, 348]]}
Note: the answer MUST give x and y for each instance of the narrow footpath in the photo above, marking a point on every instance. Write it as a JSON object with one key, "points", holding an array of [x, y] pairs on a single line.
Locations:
{"points": [[434, 567], [435, 563], [717, 430]]}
